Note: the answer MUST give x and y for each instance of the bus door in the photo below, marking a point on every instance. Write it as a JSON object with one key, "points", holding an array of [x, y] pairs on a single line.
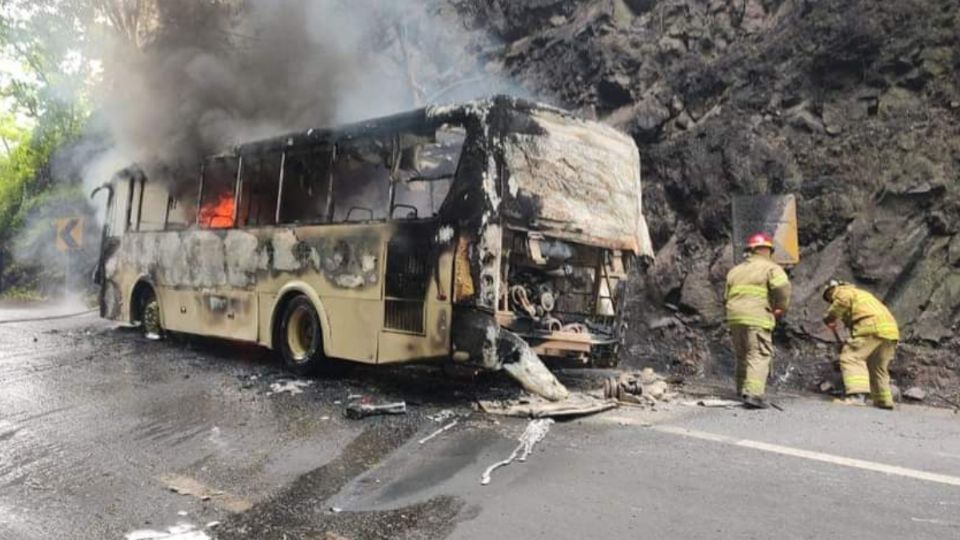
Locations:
{"points": [[417, 295]]}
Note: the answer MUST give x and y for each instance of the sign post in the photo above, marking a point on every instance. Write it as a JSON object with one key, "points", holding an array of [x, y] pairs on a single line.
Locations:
{"points": [[69, 238], [775, 215]]}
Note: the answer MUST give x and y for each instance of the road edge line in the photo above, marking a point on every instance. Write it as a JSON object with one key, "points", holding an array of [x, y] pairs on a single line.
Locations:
{"points": [[811, 455]]}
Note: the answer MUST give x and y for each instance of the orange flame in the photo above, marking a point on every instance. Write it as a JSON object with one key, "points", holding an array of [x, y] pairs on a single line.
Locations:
{"points": [[218, 214]]}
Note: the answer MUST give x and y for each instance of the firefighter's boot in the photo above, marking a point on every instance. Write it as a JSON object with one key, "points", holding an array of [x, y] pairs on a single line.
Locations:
{"points": [[754, 402], [857, 400]]}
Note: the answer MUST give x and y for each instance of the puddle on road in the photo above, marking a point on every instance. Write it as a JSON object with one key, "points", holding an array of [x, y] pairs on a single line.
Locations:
{"points": [[415, 472]]}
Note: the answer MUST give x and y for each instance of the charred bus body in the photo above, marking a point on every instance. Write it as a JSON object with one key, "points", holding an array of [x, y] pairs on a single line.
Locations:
{"points": [[490, 232]]}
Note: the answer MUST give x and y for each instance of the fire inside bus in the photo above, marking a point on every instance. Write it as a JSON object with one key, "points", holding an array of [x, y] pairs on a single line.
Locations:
{"points": [[489, 232]]}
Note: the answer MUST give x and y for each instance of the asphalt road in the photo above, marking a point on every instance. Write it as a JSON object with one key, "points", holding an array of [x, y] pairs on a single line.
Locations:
{"points": [[106, 435]]}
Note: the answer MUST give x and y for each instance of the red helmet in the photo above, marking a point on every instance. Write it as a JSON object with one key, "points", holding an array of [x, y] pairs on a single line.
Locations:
{"points": [[759, 240]]}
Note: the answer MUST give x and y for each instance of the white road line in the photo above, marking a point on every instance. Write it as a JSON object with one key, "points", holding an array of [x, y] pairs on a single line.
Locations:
{"points": [[814, 456]]}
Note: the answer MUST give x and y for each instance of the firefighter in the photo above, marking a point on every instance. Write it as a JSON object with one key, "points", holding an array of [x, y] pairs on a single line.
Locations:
{"points": [[757, 294], [866, 357]]}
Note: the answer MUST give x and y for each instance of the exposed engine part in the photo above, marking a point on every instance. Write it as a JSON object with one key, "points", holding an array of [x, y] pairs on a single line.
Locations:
{"points": [[555, 250], [521, 300], [564, 270], [552, 324], [575, 328], [547, 300]]}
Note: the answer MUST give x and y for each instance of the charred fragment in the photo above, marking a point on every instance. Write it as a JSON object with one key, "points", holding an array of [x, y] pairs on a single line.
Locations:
{"points": [[457, 231]]}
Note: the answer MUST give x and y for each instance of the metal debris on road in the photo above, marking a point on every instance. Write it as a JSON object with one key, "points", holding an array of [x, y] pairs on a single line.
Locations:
{"points": [[716, 403], [954, 404], [445, 414], [291, 387], [438, 432], [577, 404], [638, 388], [535, 432], [361, 410]]}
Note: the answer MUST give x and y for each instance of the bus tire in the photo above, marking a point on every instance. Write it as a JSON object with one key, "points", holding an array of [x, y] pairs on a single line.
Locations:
{"points": [[299, 339]]}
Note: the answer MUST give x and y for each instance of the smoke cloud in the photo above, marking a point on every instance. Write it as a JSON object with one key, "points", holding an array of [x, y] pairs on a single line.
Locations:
{"points": [[208, 75], [182, 79]]}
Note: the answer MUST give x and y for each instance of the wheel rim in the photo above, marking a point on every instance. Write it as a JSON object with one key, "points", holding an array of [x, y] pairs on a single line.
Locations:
{"points": [[151, 317], [301, 334]]}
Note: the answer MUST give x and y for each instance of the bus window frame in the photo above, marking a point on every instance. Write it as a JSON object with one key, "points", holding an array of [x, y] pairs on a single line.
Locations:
{"points": [[240, 182], [334, 154], [395, 178], [236, 192], [390, 139], [331, 150]]}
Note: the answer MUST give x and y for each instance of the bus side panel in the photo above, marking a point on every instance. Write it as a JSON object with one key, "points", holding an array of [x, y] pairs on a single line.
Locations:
{"points": [[223, 313], [353, 328], [343, 266]]}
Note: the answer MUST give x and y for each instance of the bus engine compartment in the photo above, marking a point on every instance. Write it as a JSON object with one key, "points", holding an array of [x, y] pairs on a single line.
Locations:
{"points": [[562, 298]]}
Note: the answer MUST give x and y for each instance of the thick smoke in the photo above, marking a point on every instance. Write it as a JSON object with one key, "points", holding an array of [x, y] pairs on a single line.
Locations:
{"points": [[187, 78], [211, 75]]}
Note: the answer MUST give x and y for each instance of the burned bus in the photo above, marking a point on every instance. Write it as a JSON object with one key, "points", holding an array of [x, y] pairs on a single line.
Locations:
{"points": [[494, 232]]}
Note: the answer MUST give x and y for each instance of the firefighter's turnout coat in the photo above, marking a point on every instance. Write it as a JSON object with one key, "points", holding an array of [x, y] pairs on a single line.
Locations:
{"points": [[866, 356], [755, 288]]}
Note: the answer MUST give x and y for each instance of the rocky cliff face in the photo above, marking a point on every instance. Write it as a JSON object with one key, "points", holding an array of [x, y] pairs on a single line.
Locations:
{"points": [[853, 105]]}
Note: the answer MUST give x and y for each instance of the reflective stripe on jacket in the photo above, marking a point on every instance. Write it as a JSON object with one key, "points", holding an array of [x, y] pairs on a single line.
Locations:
{"points": [[754, 288], [862, 313]]}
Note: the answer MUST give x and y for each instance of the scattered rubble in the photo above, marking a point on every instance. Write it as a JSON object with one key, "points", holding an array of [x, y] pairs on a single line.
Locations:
{"points": [[715, 403], [640, 388], [445, 414], [915, 393], [363, 409], [535, 432], [952, 402], [185, 485], [292, 387]]}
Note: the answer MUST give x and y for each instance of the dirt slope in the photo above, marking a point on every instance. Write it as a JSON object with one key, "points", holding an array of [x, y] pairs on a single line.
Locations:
{"points": [[853, 105]]}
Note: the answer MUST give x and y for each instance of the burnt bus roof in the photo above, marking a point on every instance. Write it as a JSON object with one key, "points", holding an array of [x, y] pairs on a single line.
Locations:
{"points": [[426, 119]]}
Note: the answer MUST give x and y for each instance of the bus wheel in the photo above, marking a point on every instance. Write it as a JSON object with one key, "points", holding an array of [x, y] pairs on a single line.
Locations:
{"points": [[299, 338], [150, 315]]}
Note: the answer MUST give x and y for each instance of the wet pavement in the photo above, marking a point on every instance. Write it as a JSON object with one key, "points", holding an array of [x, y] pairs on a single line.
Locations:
{"points": [[104, 434]]}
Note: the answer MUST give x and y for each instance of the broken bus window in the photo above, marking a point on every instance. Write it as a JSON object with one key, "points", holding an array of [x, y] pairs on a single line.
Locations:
{"points": [[259, 177], [217, 190], [361, 180], [427, 167], [305, 189]]}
